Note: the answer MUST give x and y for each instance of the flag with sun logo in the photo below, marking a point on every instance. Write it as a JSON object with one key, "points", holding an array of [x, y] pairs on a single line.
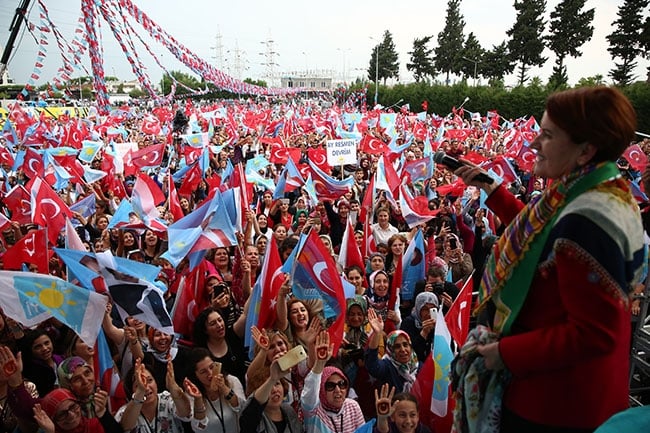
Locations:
{"points": [[32, 298], [442, 357]]}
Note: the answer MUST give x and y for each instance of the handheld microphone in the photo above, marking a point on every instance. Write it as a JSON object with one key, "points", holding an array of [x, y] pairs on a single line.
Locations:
{"points": [[453, 163]]}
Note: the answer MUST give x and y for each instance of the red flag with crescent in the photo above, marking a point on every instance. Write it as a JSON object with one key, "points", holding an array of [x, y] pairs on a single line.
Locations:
{"points": [[48, 210], [32, 249]]}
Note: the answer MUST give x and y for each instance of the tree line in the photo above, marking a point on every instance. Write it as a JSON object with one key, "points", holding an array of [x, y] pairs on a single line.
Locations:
{"points": [[569, 28]]}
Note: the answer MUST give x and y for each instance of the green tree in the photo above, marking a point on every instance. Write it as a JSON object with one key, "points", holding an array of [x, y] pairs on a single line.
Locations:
{"points": [[421, 59], [596, 80], [187, 79], [570, 28], [625, 42], [472, 56], [388, 64], [136, 93], [496, 63], [526, 43], [450, 41]]}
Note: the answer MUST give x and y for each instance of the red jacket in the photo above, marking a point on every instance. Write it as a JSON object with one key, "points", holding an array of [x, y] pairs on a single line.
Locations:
{"points": [[569, 347]]}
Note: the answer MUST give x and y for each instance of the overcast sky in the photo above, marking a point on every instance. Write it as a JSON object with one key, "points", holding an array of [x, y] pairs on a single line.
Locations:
{"points": [[334, 35]]}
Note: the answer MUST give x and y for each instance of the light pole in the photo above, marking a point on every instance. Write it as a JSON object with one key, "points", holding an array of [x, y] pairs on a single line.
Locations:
{"points": [[376, 70], [343, 51], [476, 62]]}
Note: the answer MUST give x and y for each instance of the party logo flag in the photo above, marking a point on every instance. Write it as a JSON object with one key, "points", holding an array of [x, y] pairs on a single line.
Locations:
{"points": [[315, 276], [32, 298], [413, 266], [134, 296], [442, 357]]}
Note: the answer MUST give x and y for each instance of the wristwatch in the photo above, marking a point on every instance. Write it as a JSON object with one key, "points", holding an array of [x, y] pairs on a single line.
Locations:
{"points": [[135, 400], [230, 395]]}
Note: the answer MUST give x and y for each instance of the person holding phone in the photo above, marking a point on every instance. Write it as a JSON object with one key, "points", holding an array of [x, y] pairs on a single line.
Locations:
{"points": [[420, 324]]}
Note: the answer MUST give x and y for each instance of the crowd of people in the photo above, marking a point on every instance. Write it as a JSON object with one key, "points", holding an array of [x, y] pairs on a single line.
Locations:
{"points": [[578, 260]]}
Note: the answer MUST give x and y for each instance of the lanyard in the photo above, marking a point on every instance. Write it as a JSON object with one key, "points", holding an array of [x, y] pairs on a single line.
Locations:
{"points": [[220, 416]]}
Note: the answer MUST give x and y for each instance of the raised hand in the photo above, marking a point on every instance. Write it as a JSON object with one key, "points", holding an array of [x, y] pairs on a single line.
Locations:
{"points": [[11, 367], [324, 350], [43, 421], [191, 389], [375, 320], [260, 338], [383, 400]]}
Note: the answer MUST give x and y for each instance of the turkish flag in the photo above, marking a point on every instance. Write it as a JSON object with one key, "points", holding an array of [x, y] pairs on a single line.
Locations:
{"points": [[457, 318], [32, 249], [526, 159], [150, 125], [174, 201], [150, 156], [273, 279], [189, 299], [372, 145], [48, 210], [319, 158], [18, 202], [502, 168], [191, 181], [32, 163], [636, 157], [279, 154]]}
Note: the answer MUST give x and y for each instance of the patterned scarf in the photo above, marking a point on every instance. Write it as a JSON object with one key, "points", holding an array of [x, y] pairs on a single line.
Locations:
{"points": [[408, 369], [510, 268]]}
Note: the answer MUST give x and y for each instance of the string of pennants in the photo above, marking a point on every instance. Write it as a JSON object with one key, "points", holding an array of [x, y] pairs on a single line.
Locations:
{"points": [[87, 39]]}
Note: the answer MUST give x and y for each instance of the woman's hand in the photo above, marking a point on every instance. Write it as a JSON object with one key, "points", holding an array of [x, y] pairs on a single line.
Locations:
{"points": [[468, 172], [43, 421], [383, 401], [492, 356], [312, 331], [170, 381], [260, 338], [375, 320], [428, 326], [191, 389], [11, 367], [100, 400]]}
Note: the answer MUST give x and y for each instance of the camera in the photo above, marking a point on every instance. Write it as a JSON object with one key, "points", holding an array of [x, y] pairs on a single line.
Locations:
{"points": [[438, 288]]}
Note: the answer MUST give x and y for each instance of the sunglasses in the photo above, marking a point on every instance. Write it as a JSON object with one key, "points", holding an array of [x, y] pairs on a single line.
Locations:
{"points": [[342, 384]]}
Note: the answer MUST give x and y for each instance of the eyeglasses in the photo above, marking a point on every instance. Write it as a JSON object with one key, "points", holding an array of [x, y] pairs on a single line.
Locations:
{"points": [[342, 384], [61, 415]]}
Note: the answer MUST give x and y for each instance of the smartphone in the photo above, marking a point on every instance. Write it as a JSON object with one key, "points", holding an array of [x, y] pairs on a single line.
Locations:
{"points": [[452, 243], [216, 368], [433, 312], [292, 358]]}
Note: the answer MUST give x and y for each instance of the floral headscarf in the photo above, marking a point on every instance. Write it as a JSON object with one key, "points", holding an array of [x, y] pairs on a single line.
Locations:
{"points": [[407, 370]]}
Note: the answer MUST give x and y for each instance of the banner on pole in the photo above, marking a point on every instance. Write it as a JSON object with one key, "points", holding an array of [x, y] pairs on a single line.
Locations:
{"points": [[341, 152]]}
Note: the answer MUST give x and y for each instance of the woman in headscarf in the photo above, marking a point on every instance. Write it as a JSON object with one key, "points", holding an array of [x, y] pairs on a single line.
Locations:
{"points": [[324, 398], [399, 365], [420, 324], [59, 412], [379, 299], [76, 375]]}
